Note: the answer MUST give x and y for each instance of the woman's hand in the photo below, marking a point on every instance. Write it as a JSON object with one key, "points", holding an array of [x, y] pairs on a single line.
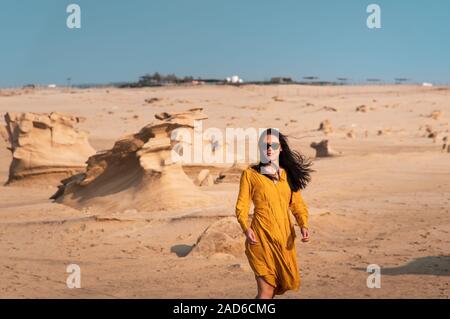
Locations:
{"points": [[305, 234], [250, 236]]}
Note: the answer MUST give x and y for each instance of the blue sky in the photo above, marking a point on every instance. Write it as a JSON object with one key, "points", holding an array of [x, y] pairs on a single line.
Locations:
{"points": [[256, 39]]}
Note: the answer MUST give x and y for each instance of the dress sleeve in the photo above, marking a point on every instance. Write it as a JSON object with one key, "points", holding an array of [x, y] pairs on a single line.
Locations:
{"points": [[243, 201], [299, 209]]}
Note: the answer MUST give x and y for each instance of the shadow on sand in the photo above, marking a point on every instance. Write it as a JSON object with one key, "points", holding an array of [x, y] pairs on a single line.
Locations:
{"points": [[430, 265], [181, 250]]}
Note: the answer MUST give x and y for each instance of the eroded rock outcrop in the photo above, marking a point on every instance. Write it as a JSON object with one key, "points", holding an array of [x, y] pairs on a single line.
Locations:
{"points": [[326, 127], [446, 145], [204, 178], [436, 114], [45, 147], [323, 149], [222, 237], [139, 172], [232, 174]]}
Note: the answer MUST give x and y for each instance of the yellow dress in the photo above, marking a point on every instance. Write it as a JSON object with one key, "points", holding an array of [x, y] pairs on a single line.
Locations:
{"points": [[274, 256]]}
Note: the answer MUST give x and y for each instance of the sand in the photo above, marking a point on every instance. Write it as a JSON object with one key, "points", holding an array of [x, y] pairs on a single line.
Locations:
{"points": [[384, 200]]}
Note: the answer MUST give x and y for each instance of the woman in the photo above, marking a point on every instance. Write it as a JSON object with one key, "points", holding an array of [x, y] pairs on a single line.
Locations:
{"points": [[274, 186]]}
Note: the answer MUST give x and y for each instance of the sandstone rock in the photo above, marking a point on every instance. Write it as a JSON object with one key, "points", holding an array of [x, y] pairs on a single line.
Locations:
{"points": [[329, 108], [45, 147], [446, 145], [323, 150], [4, 134], [139, 172], [278, 99], [232, 174], [204, 178], [351, 134], [325, 127], [152, 100], [361, 108], [435, 115], [222, 237], [431, 133]]}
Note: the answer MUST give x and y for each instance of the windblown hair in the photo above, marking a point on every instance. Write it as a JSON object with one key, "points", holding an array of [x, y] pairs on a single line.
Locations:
{"points": [[296, 165]]}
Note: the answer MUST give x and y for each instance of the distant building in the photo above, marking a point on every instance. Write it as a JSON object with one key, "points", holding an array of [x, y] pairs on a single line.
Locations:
{"points": [[281, 80], [234, 80], [52, 86]]}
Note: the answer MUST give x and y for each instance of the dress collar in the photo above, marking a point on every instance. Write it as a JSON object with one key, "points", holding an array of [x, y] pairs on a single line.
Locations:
{"points": [[283, 175]]}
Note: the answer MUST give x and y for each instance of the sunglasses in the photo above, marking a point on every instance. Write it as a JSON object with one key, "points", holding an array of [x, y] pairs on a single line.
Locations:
{"points": [[275, 146]]}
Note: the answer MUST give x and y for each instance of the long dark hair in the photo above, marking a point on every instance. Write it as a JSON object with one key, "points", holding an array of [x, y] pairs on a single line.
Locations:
{"points": [[296, 165]]}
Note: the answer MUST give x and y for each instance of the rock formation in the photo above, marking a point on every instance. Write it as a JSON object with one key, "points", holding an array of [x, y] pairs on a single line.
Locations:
{"points": [[430, 133], [351, 134], [45, 147], [222, 237], [204, 178], [436, 114], [278, 99], [4, 134], [330, 108], [152, 100], [361, 108], [323, 150], [232, 174], [325, 127], [139, 172], [446, 145]]}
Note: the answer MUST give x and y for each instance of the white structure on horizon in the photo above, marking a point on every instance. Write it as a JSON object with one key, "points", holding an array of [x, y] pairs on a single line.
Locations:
{"points": [[234, 79], [52, 86], [427, 84]]}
